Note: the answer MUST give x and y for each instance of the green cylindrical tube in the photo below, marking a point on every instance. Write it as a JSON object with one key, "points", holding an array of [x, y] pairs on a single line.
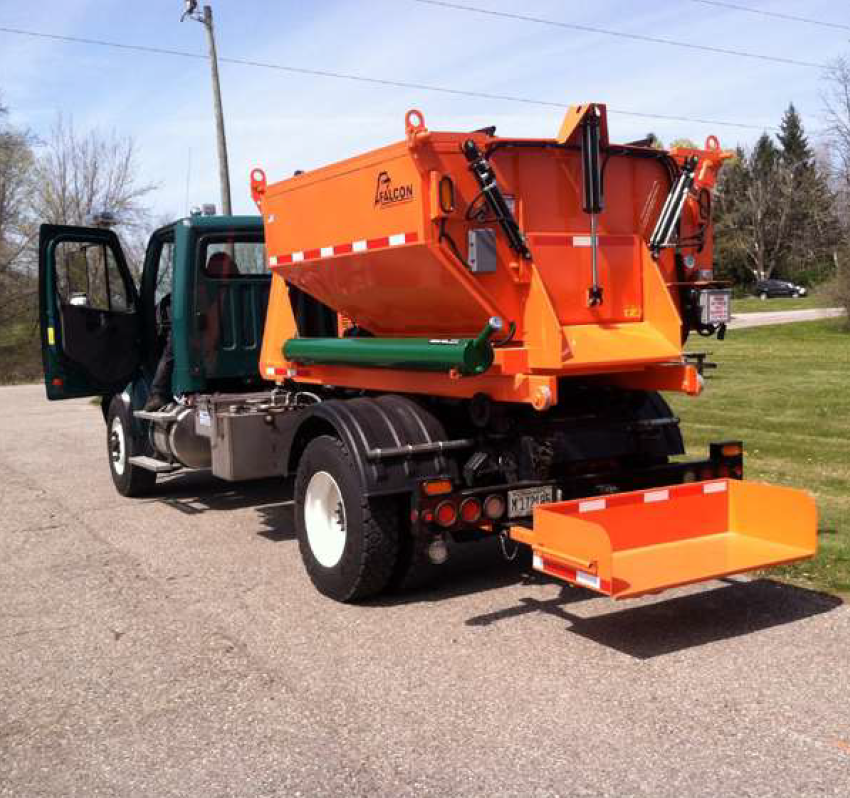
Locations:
{"points": [[469, 356]]}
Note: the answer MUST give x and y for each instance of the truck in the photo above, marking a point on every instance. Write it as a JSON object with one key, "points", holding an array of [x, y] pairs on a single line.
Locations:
{"points": [[455, 337]]}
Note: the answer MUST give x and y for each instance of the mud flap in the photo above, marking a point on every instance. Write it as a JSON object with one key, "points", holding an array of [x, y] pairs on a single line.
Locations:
{"points": [[629, 544]]}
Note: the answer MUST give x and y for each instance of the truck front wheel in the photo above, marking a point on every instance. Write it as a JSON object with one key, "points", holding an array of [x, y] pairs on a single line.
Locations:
{"points": [[349, 544], [129, 480]]}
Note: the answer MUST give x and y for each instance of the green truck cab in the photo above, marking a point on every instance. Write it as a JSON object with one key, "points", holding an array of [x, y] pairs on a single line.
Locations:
{"points": [[102, 330]]}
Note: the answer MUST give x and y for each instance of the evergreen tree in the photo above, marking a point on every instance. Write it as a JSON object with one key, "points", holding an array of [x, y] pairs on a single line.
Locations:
{"points": [[792, 138], [813, 229]]}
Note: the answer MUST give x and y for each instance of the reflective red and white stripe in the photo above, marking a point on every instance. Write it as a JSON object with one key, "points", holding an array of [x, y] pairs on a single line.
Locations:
{"points": [[569, 240], [363, 245], [645, 497], [277, 371]]}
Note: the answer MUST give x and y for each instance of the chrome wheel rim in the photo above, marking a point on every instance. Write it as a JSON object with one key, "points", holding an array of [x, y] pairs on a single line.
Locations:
{"points": [[117, 446]]}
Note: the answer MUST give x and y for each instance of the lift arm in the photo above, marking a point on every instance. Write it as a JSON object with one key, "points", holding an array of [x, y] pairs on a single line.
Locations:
{"points": [[486, 177]]}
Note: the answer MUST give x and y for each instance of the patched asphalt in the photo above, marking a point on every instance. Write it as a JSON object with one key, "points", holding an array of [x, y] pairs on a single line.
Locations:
{"points": [[173, 646]]}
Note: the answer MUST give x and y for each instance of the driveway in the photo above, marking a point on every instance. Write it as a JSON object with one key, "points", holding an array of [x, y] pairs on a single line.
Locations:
{"points": [[174, 647]]}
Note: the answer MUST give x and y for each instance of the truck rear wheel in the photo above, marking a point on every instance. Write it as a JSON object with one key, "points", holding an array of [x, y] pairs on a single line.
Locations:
{"points": [[129, 480], [349, 544]]}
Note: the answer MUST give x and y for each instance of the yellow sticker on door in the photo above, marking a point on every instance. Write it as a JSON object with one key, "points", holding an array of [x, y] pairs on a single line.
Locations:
{"points": [[51, 336]]}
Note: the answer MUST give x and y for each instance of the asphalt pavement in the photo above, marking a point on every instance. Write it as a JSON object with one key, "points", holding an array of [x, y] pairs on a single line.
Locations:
{"points": [[173, 646]]}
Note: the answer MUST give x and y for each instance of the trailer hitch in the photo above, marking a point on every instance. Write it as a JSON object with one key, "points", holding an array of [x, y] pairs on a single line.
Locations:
{"points": [[486, 177]]}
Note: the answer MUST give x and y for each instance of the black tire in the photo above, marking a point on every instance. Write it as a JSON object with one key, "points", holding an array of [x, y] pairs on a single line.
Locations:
{"points": [[363, 559], [129, 480]]}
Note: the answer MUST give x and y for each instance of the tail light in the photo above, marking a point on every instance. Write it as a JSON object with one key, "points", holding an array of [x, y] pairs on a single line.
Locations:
{"points": [[494, 507], [470, 510], [446, 514]]}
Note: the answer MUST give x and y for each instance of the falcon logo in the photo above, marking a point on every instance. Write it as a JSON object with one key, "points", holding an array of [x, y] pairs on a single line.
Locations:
{"points": [[386, 193]]}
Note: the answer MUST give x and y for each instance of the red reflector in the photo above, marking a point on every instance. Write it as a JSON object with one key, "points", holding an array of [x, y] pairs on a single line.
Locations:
{"points": [[446, 514], [470, 510], [57, 381]]}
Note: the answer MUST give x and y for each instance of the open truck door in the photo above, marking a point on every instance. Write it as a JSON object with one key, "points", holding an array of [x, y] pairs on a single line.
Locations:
{"points": [[89, 312]]}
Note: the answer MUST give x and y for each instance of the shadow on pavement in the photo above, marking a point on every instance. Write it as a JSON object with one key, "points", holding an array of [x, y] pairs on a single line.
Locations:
{"points": [[194, 493], [471, 568], [663, 627], [641, 631]]}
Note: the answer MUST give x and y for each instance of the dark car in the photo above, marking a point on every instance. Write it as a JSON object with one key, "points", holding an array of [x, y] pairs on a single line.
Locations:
{"points": [[767, 289]]}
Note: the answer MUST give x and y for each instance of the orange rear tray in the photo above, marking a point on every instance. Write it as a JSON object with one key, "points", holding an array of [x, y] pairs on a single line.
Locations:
{"points": [[629, 544]]}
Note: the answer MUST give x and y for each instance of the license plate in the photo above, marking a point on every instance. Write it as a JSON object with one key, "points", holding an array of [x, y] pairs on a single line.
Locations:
{"points": [[522, 502]]}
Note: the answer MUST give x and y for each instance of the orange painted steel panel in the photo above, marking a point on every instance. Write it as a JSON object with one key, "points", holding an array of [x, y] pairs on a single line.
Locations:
{"points": [[629, 544], [370, 238]]}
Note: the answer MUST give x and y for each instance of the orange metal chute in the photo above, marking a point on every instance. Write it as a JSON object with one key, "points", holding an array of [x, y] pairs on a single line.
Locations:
{"points": [[379, 239], [629, 544]]}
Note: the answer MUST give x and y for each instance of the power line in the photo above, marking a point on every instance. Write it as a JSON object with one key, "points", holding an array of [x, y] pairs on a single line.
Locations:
{"points": [[621, 34], [323, 73], [775, 14]]}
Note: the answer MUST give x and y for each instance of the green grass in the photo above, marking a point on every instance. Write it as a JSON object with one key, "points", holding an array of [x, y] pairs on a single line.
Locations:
{"points": [[20, 352], [785, 390], [752, 304]]}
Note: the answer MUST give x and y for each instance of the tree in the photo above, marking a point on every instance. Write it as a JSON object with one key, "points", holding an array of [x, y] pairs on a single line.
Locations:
{"points": [[837, 102], [16, 228], [792, 138], [16, 161], [78, 175], [813, 226], [754, 200], [63, 181], [775, 211]]}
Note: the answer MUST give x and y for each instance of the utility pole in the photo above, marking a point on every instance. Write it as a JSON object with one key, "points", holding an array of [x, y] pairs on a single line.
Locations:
{"points": [[206, 19]]}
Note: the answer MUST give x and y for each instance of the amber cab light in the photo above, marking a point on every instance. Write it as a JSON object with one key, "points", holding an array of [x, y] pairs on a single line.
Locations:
{"points": [[732, 450], [436, 487]]}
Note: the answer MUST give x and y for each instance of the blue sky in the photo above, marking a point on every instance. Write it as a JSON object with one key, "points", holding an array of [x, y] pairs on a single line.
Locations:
{"points": [[282, 121]]}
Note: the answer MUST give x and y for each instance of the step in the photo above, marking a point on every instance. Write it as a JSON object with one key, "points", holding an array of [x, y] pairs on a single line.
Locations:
{"points": [[152, 464], [157, 416]]}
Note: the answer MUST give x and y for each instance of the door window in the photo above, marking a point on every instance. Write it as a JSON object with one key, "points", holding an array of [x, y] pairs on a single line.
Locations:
{"points": [[87, 275], [164, 272], [235, 255]]}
